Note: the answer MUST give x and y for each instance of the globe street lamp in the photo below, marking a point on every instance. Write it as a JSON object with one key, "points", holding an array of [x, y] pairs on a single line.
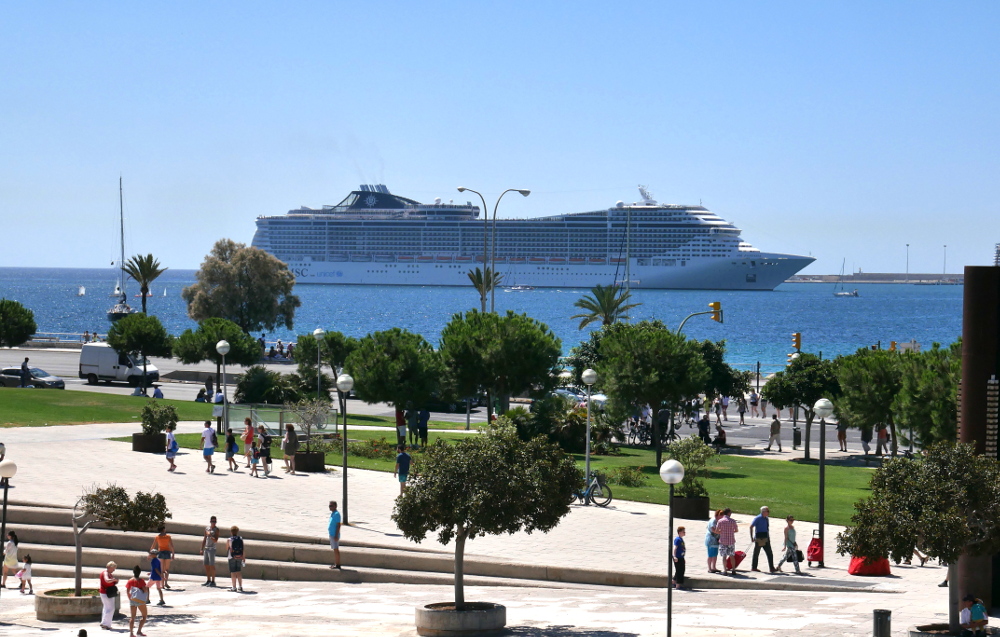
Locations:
{"points": [[7, 471], [491, 255], [589, 377], [671, 472], [344, 386], [222, 347], [823, 408], [318, 334]]}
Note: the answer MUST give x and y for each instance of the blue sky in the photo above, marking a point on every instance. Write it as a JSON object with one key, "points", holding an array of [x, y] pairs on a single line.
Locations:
{"points": [[843, 130]]}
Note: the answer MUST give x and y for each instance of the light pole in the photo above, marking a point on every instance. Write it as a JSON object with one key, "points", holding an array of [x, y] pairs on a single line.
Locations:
{"points": [[7, 471], [671, 472], [944, 268], [318, 334], [492, 255], [823, 408], [907, 262], [589, 377], [344, 386], [222, 347]]}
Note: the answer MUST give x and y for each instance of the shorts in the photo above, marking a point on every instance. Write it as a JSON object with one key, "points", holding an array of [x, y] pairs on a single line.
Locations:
{"points": [[208, 558], [423, 432], [171, 455], [165, 555], [334, 543], [401, 431], [403, 476], [727, 550], [158, 583], [713, 551], [230, 454], [235, 565], [208, 452]]}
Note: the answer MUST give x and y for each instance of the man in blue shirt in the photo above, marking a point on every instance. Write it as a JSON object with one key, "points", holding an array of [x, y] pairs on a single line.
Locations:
{"points": [[761, 539], [334, 531], [402, 467]]}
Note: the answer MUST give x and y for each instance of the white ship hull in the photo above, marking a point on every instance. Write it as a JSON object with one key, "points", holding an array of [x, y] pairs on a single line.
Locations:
{"points": [[705, 274]]}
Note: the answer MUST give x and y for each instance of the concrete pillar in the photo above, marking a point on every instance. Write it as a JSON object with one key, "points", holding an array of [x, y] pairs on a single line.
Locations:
{"points": [[980, 361]]}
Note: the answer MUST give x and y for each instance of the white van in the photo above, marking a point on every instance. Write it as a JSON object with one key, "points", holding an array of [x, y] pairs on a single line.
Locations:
{"points": [[99, 362]]}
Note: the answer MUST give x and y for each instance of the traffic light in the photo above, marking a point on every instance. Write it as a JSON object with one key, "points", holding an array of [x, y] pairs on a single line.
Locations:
{"points": [[797, 341], [892, 346], [716, 311], [792, 357]]}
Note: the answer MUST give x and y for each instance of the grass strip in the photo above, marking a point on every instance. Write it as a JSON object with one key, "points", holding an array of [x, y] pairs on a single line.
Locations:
{"points": [[47, 407]]}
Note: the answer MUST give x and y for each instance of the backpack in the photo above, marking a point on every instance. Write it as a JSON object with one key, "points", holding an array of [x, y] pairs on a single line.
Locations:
{"points": [[215, 439], [236, 546]]}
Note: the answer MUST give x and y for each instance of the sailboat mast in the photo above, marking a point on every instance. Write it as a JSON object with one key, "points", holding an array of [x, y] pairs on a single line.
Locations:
{"points": [[121, 221]]}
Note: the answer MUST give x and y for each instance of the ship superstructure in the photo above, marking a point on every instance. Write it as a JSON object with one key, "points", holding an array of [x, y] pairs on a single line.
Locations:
{"points": [[374, 237]]}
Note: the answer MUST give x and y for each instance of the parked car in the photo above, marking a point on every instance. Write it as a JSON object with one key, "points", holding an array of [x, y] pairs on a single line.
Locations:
{"points": [[11, 377]]}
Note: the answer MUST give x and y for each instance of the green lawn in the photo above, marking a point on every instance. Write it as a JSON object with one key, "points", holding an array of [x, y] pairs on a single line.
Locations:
{"points": [[42, 407]]}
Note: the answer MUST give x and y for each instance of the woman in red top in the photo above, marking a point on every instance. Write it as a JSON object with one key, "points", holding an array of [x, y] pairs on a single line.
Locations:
{"points": [[107, 581], [138, 595], [247, 440]]}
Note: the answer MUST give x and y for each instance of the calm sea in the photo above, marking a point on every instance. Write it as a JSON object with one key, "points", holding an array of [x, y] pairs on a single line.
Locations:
{"points": [[758, 325]]}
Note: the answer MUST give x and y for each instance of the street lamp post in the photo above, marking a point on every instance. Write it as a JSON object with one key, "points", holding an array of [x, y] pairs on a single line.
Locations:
{"points": [[7, 471], [222, 347], [491, 255], [823, 408], [671, 472], [589, 377], [318, 334], [907, 262], [344, 386]]}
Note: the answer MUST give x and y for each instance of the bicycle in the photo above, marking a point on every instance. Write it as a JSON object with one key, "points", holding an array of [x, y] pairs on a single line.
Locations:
{"points": [[597, 491]]}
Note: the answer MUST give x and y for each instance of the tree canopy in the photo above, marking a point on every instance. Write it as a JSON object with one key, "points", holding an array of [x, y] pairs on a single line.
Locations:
{"points": [[605, 305], [806, 379], [195, 346], [140, 334], [870, 382], [334, 350], [505, 355], [723, 379], [928, 396], [17, 324], [395, 366], [489, 484], [647, 364], [244, 285], [143, 270]]}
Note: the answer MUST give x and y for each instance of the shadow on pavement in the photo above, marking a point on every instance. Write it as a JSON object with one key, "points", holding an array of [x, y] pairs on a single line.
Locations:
{"points": [[173, 619], [559, 631]]}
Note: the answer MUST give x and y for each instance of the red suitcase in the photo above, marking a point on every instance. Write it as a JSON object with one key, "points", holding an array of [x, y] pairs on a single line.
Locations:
{"points": [[815, 551], [738, 558]]}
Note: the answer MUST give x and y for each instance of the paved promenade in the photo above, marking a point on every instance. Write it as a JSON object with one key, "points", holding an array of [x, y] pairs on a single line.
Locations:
{"points": [[56, 463]]}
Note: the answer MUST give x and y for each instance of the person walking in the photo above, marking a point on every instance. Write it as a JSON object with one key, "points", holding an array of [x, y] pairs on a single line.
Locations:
{"points": [[291, 443], [232, 448], [138, 597], [717, 408], [761, 539], [108, 590], [25, 575], [882, 442], [790, 546], [727, 529], [9, 557], [208, 540], [754, 401], [25, 373], [264, 449], [842, 435], [163, 544], [775, 433], [209, 441], [156, 576], [172, 447], [333, 528], [678, 556], [402, 468], [712, 542], [741, 408], [763, 407], [247, 440], [236, 555], [725, 407], [255, 459]]}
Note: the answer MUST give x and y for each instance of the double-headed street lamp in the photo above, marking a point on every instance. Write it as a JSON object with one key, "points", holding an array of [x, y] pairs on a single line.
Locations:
{"points": [[589, 377], [823, 408], [8, 469], [222, 347], [671, 472], [344, 386], [318, 334], [491, 256]]}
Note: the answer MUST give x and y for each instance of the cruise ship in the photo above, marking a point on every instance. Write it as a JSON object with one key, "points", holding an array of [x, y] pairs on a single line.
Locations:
{"points": [[374, 237]]}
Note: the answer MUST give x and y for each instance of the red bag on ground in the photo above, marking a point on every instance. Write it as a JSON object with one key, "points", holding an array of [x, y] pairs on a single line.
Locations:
{"points": [[875, 567], [814, 552], [738, 558]]}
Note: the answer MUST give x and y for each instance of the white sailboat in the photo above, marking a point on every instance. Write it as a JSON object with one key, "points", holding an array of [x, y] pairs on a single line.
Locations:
{"points": [[120, 309], [839, 290], [82, 291]]}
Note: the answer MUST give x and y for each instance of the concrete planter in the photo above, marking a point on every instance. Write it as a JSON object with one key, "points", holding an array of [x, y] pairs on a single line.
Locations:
{"points": [[691, 508], [155, 443], [478, 618], [87, 608], [310, 461]]}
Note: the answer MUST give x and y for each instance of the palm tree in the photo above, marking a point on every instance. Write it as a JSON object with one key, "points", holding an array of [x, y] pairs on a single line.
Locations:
{"points": [[607, 304], [492, 280], [144, 270]]}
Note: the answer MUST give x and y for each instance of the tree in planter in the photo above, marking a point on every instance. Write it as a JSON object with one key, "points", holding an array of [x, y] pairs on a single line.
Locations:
{"points": [[17, 324], [112, 506], [870, 383], [310, 413], [807, 379], [396, 367], [155, 417], [193, 347], [139, 334], [694, 454], [945, 504], [489, 484]]}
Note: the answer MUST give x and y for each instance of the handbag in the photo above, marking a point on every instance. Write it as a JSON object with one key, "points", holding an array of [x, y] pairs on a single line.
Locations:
{"points": [[799, 557], [112, 591], [761, 539]]}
